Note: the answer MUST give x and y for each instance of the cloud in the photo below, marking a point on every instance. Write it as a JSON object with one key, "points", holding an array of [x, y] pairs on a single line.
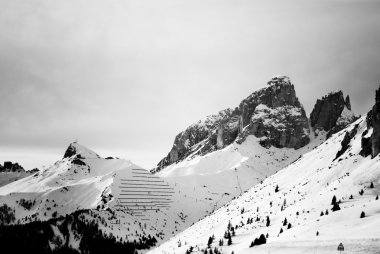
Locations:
{"points": [[129, 75]]}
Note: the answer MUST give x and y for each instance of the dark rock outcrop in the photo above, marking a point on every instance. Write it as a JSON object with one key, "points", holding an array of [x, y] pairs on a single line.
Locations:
{"points": [[371, 143], [11, 167], [80, 151], [280, 121], [346, 141], [332, 113], [70, 151]]}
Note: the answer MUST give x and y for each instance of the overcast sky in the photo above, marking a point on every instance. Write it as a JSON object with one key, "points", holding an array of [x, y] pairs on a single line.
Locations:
{"points": [[124, 77]]}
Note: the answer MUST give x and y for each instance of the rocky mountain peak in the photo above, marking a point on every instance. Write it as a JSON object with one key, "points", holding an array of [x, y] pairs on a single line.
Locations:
{"points": [[283, 124], [332, 113], [11, 167], [371, 141], [77, 149]]}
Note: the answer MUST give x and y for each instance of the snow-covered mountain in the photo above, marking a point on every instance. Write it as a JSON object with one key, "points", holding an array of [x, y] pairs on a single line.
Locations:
{"points": [[124, 200], [272, 113], [10, 172], [212, 162], [295, 209]]}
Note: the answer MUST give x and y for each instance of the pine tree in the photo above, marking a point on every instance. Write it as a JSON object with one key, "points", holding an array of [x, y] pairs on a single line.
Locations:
{"points": [[281, 230], [276, 189], [362, 215], [289, 226], [333, 201], [285, 222], [322, 213], [335, 207], [351, 197], [268, 221], [377, 197], [210, 240], [229, 241], [361, 192], [327, 212], [262, 239], [371, 186], [317, 233]]}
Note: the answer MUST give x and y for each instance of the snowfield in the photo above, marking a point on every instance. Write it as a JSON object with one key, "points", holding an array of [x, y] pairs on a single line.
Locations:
{"points": [[305, 191]]}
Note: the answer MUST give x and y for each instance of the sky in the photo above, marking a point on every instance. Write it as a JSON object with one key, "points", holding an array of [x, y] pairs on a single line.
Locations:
{"points": [[123, 77]]}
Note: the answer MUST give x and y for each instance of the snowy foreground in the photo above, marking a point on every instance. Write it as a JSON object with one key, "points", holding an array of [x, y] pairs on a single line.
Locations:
{"points": [[304, 200]]}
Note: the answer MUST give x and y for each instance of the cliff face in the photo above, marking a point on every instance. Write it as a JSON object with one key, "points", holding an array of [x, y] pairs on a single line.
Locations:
{"points": [[332, 113], [11, 167], [371, 137], [273, 114]]}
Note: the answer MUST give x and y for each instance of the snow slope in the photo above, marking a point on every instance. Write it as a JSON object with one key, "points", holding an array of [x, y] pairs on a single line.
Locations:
{"points": [[306, 188], [234, 169]]}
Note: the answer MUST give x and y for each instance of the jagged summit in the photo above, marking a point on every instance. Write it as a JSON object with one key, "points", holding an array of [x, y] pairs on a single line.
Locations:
{"points": [[272, 113], [279, 80], [77, 149], [332, 113]]}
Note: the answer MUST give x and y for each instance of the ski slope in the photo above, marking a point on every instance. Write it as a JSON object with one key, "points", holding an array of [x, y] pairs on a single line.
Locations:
{"points": [[306, 188]]}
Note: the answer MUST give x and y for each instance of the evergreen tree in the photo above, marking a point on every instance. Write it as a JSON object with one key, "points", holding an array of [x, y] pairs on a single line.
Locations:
{"points": [[322, 213], [362, 215], [209, 242], [229, 225], [262, 239], [335, 207], [333, 201], [327, 212], [377, 197], [361, 192], [229, 240], [317, 233], [351, 197], [276, 189], [285, 222], [289, 226], [371, 186], [281, 230], [268, 221]]}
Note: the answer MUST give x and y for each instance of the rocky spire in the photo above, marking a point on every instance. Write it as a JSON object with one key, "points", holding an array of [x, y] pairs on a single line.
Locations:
{"points": [[332, 113], [371, 144], [348, 102]]}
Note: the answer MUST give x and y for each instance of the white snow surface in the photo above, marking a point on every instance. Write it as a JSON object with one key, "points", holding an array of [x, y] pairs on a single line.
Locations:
{"points": [[308, 186]]}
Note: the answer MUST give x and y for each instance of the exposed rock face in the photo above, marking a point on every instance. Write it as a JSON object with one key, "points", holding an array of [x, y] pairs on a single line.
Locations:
{"points": [[273, 114], [285, 126], [11, 167], [332, 113], [214, 132], [80, 151], [371, 137]]}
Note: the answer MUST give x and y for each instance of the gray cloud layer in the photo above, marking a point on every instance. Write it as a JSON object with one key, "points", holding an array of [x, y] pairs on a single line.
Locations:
{"points": [[126, 76]]}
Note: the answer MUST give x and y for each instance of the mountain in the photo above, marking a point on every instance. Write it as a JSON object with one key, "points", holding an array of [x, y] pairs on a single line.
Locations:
{"points": [[326, 197], [273, 114], [126, 202], [11, 172], [212, 162], [332, 113]]}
